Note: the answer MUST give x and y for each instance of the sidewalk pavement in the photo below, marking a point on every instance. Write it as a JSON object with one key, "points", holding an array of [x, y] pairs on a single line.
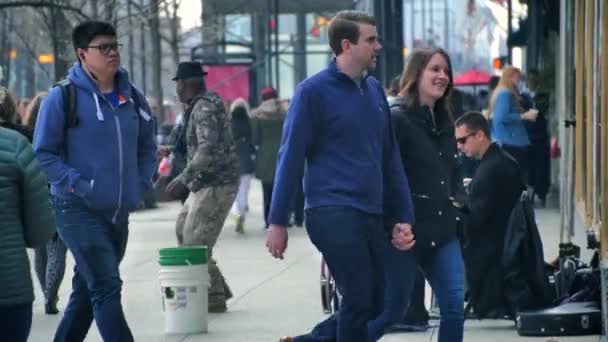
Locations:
{"points": [[272, 298]]}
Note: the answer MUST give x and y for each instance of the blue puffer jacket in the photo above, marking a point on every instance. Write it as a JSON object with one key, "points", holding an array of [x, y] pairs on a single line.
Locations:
{"points": [[507, 126], [108, 159]]}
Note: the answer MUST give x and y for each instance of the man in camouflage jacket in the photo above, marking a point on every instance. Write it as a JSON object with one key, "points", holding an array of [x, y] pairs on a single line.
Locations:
{"points": [[210, 173]]}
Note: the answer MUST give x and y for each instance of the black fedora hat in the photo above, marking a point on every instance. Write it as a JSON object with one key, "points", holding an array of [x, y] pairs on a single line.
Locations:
{"points": [[189, 70]]}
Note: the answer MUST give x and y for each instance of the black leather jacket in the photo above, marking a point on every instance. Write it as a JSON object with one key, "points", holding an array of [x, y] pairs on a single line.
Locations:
{"points": [[430, 159]]}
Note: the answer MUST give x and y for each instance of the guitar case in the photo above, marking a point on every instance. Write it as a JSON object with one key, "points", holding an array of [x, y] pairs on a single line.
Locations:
{"points": [[570, 319]]}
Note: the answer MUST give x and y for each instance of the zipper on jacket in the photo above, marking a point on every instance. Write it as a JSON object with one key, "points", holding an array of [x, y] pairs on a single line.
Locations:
{"points": [[120, 165]]}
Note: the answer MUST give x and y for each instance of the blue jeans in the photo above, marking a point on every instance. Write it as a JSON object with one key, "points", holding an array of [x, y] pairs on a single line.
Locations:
{"points": [[16, 322], [374, 278], [444, 270], [97, 246]]}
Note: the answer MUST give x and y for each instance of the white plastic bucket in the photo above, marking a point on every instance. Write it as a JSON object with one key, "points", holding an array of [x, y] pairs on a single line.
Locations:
{"points": [[184, 292]]}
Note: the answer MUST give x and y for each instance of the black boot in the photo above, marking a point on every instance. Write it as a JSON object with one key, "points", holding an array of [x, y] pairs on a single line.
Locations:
{"points": [[50, 307]]}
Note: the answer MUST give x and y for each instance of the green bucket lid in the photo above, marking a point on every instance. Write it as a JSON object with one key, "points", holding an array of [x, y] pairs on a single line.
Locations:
{"points": [[183, 256]]}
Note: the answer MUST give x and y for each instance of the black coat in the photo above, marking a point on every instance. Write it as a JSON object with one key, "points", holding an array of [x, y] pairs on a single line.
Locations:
{"points": [[241, 133], [430, 160], [526, 284], [494, 191]]}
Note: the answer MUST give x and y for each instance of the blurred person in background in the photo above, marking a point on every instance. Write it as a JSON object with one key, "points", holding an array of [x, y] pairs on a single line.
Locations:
{"points": [[49, 260], [267, 129], [508, 118], [241, 133], [22, 105], [9, 114], [539, 156], [27, 222]]}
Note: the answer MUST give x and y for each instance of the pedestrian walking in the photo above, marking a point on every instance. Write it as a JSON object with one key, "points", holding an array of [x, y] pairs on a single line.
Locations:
{"points": [[99, 156], [355, 187], [49, 260], [27, 222], [425, 131], [267, 128], [241, 132]]}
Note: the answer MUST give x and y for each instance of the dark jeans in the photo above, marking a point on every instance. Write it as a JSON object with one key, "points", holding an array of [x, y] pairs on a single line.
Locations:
{"points": [[540, 167], [16, 322], [417, 313], [445, 271], [374, 278], [298, 205], [97, 246], [267, 192]]}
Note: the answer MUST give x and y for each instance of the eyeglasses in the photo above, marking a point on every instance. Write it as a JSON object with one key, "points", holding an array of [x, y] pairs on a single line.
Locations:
{"points": [[105, 49], [463, 140]]}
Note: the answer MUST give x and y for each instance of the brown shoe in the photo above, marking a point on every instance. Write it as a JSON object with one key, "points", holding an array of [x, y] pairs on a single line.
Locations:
{"points": [[286, 339]]}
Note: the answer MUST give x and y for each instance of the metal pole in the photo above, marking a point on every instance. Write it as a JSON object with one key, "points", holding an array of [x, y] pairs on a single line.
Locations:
{"points": [[424, 22], [268, 44], [130, 42], [301, 66], [509, 30], [142, 34], [432, 21], [276, 48], [446, 24], [413, 15]]}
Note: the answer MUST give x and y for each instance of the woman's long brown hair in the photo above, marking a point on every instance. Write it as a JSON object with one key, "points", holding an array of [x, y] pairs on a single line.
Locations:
{"points": [[411, 75]]}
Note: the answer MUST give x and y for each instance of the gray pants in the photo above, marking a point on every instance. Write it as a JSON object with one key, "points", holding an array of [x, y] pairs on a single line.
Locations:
{"points": [[49, 263], [200, 222]]}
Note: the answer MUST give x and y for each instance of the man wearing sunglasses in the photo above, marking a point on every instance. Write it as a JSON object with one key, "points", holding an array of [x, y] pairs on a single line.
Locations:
{"points": [[493, 192], [99, 166]]}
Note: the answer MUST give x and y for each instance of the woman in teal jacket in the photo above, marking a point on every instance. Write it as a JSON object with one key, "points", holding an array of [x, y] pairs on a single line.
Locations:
{"points": [[507, 118], [27, 222]]}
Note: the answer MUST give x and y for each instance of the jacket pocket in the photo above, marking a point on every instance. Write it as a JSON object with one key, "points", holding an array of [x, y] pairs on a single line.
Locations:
{"points": [[423, 206]]}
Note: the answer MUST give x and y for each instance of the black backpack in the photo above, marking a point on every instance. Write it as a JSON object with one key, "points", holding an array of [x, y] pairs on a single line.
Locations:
{"points": [[70, 101]]}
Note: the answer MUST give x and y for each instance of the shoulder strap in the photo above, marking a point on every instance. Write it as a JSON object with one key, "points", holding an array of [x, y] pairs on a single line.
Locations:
{"points": [[136, 98], [68, 92]]}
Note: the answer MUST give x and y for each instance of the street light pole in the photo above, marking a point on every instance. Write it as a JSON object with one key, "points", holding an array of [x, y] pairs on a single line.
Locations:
{"points": [[509, 30]]}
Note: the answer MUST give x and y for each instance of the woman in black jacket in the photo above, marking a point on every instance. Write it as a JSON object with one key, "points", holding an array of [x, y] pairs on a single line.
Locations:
{"points": [[425, 132], [241, 132]]}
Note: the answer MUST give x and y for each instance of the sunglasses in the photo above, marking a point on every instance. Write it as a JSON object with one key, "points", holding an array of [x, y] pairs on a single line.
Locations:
{"points": [[105, 49], [463, 140]]}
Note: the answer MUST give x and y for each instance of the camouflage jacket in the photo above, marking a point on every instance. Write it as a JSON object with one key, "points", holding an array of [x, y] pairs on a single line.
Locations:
{"points": [[211, 156]]}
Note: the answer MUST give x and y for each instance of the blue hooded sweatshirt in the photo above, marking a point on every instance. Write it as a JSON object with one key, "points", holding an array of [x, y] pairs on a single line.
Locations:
{"points": [[108, 159], [341, 134]]}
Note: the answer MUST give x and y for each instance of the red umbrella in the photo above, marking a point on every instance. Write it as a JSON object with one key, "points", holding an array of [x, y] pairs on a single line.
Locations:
{"points": [[472, 78]]}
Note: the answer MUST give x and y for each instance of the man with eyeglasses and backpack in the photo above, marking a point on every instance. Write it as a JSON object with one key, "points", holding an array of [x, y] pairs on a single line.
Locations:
{"points": [[94, 139]]}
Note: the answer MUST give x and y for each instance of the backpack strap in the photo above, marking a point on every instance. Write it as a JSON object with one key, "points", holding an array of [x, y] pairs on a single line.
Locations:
{"points": [[68, 92]]}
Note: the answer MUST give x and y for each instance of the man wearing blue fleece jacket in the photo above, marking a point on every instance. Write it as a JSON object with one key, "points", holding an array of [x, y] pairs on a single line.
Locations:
{"points": [[339, 126], [99, 169]]}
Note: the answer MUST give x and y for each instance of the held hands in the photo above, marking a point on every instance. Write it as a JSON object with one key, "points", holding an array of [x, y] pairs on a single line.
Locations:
{"points": [[276, 240], [403, 237]]}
